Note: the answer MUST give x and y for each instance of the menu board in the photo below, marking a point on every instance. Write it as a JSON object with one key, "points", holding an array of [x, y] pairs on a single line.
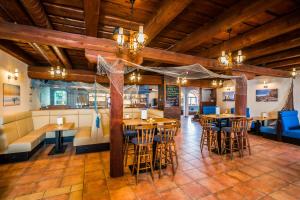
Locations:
{"points": [[172, 95]]}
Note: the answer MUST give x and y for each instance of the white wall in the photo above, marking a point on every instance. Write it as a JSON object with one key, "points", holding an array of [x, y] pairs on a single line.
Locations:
{"points": [[256, 108], [7, 63]]}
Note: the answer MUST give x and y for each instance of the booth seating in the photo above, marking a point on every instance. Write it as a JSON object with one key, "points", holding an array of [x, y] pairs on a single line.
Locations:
{"points": [[268, 130], [290, 124], [207, 110], [19, 138]]}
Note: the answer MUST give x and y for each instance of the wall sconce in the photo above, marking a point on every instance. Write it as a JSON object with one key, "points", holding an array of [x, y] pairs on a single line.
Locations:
{"points": [[265, 84], [294, 73], [228, 89], [14, 75]]}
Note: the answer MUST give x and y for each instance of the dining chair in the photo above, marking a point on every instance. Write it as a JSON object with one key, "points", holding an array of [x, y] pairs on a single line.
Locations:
{"points": [[244, 136], [166, 147], [143, 149], [129, 132], [230, 139], [209, 134]]}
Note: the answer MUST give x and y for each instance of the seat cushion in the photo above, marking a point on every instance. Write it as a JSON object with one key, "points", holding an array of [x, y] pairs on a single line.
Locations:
{"points": [[135, 141], [23, 144], [130, 133], [268, 130], [82, 137], [295, 133]]}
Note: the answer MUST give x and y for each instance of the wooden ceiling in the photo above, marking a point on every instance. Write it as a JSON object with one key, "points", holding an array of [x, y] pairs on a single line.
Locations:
{"points": [[267, 31]]}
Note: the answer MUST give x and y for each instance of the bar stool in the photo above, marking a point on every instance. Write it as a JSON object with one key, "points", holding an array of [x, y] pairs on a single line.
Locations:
{"points": [[244, 137], [166, 146], [232, 136], [143, 149], [129, 132], [209, 134]]}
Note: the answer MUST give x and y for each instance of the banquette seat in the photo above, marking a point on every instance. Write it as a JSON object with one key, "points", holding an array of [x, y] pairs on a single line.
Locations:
{"points": [[18, 137]]}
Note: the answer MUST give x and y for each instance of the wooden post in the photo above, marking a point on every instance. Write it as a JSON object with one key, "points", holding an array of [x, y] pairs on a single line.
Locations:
{"points": [[241, 96], [116, 118]]}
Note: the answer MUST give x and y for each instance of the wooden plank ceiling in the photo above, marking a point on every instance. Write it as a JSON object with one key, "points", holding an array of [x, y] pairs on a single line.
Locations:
{"points": [[267, 31]]}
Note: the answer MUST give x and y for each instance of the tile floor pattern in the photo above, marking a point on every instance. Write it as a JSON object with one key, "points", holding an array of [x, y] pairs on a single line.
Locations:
{"points": [[272, 172]]}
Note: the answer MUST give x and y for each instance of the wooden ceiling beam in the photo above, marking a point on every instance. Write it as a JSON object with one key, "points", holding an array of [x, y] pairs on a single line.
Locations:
{"points": [[12, 31], [235, 14], [164, 15], [283, 63], [39, 17], [275, 28], [46, 52], [272, 46], [16, 52], [292, 53], [36, 72], [91, 17]]}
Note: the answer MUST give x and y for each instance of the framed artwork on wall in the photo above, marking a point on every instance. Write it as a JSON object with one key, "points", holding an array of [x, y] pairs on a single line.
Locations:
{"points": [[11, 95], [228, 96], [267, 95]]}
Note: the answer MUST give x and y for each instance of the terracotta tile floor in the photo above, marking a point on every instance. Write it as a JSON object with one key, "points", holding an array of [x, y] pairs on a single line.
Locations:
{"points": [[271, 172]]}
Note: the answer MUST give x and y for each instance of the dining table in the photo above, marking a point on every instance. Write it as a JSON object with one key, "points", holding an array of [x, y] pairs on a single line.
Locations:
{"points": [[261, 121], [58, 129], [222, 117]]}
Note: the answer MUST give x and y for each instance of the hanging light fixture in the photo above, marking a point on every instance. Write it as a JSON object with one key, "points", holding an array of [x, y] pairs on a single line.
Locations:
{"points": [[294, 73], [132, 42], [227, 59], [182, 80], [220, 83], [58, 72], [214, 83], [135, 78]]}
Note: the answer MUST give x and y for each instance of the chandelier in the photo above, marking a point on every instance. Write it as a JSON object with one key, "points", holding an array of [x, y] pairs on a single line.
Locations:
{"points": [[135, 78], [132, 42], [216, 83], [58, 72], [181, 81], [227, 59]]}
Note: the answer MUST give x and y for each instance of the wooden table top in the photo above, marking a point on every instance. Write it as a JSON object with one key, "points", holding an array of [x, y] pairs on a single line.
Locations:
{"points": [[136, 122], [63, 127], [259, 118], [224, 116]]}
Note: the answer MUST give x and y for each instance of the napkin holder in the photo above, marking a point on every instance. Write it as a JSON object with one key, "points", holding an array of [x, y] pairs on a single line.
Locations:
{"points": [[59, 121], [144, 114]]}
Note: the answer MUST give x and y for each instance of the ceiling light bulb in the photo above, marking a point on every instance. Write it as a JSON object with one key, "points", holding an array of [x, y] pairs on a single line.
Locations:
{"points": [[294, 72], [16, 74], [57, 71]]}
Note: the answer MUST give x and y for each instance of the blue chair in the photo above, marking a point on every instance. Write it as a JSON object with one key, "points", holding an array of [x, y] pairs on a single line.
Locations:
{"points": [[290, 124], [207, 110]]}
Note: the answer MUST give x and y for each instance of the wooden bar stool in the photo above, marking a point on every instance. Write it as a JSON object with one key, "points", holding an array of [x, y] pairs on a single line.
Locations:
{"points": [[209, 135], [232, 136], [129, 133], [143, 149], [166, 147], [244, 137]]}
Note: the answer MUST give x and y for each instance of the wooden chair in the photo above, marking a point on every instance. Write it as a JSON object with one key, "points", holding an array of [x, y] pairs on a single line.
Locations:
{"points": [[166, 147], [209, 134], [244, 137], [233, 136], [143, 149], [129, 132]]}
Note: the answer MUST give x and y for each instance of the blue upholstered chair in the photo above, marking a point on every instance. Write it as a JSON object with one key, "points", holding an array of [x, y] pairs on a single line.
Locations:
{"points": [[268, 130], [232, 110], [290, 124], [207, 110]]}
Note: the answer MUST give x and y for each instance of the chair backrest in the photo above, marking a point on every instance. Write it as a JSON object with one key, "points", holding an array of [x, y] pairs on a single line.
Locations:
{"points": [[145, 134], [167, 132], [206, 123], [289, 119], [209, 110], [239, 125], [232, 111]]}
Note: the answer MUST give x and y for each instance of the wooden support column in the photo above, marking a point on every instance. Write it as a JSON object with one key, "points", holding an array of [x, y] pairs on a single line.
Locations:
{"points": [[116, 118], [241, 96]]}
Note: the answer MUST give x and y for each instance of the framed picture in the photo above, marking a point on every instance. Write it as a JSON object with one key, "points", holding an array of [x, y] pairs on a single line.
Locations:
{"points": [[228, 96], [11, 95], [267, 95]]}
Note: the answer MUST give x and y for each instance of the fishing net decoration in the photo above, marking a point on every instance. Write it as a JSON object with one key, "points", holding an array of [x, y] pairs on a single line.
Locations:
{"points": [[190, 72]]}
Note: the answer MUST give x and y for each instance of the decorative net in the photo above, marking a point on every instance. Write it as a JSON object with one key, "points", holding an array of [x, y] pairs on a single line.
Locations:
{"points": [[190, 72]]}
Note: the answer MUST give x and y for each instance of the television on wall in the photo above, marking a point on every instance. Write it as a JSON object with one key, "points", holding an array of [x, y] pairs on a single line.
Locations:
{"points": [[267, 95]]}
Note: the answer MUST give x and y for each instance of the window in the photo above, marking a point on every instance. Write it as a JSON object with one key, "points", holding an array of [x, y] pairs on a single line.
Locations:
{"points": [[60, 97]]}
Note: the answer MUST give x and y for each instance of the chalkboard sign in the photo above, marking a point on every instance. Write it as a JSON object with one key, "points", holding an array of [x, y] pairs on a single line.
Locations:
{"points": [[172, 95]]}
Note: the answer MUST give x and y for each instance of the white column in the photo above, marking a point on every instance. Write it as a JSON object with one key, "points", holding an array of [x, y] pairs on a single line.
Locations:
{"points": [[186, 102]]}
